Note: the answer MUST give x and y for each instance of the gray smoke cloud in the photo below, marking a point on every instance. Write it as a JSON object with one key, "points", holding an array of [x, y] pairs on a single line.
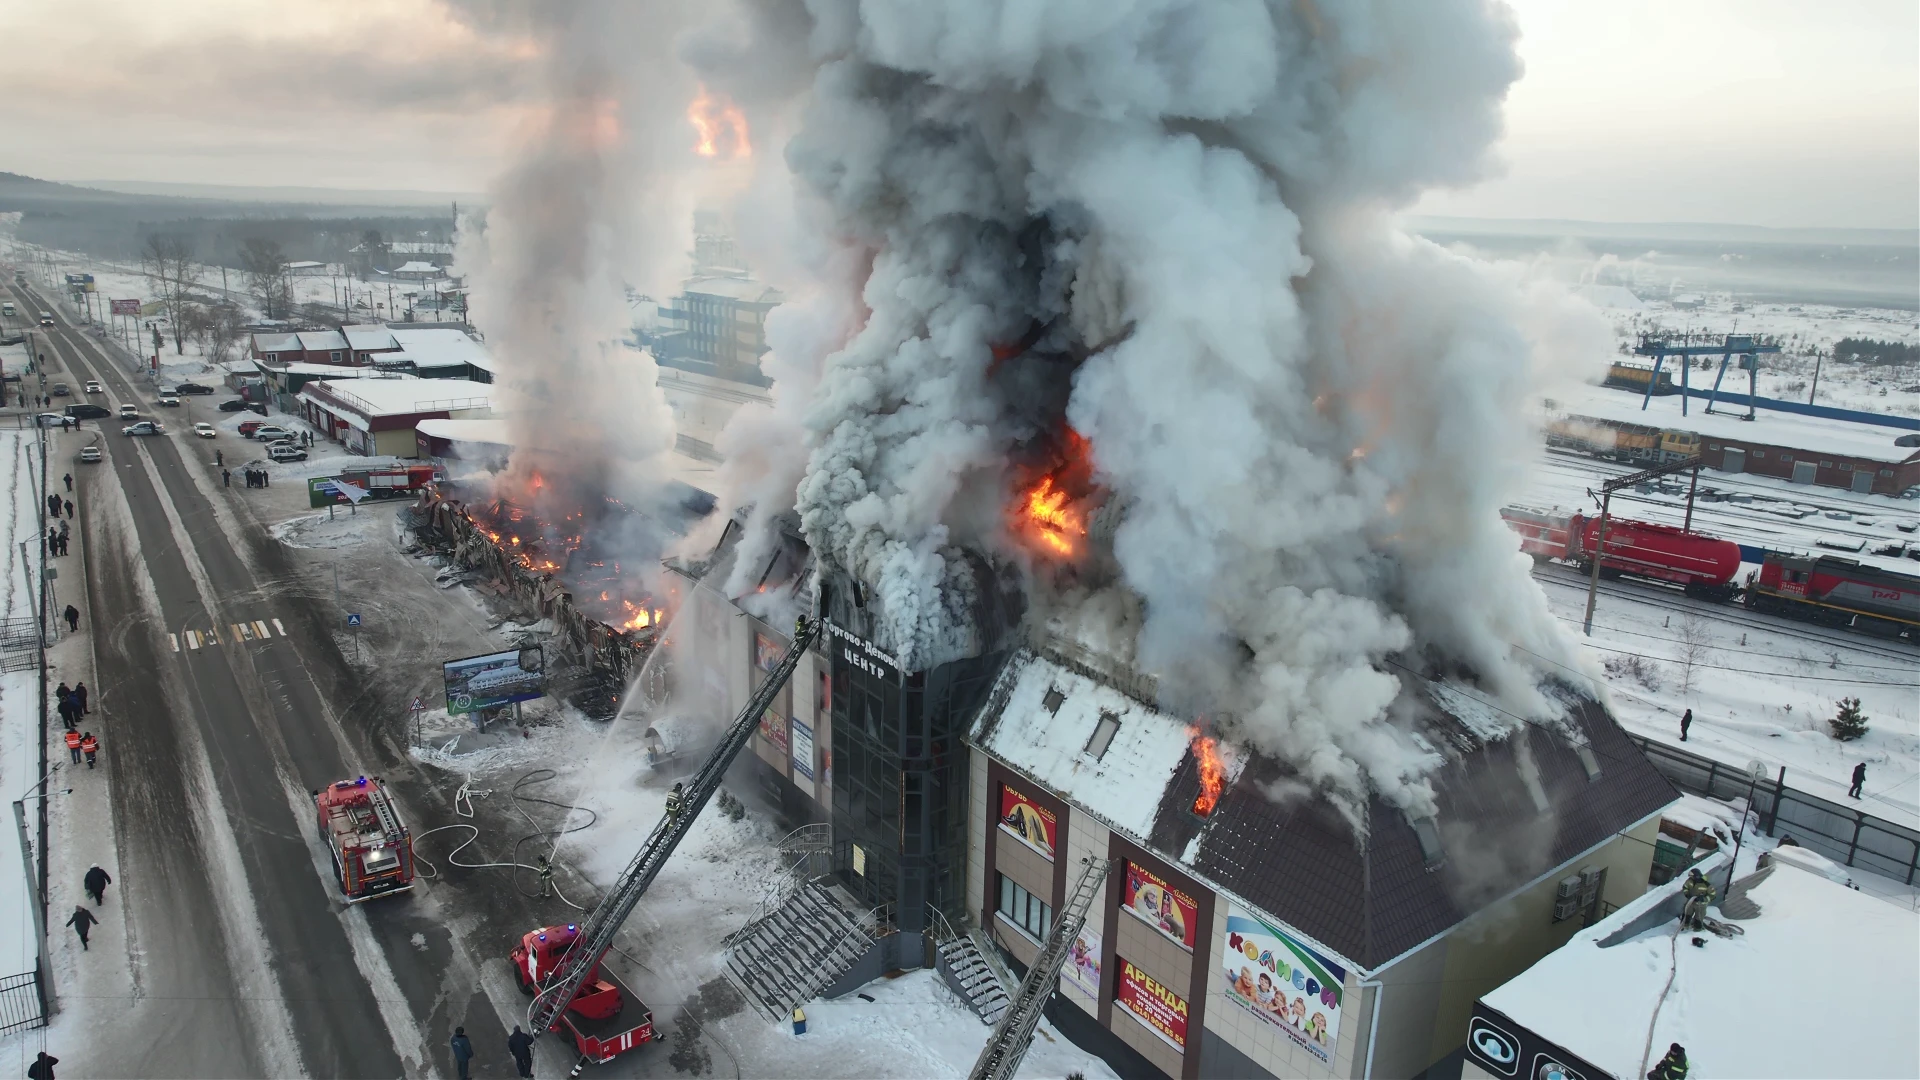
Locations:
{"points": [[1303, 420]]}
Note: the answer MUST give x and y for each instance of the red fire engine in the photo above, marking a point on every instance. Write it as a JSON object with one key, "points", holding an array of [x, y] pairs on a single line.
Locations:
{"points": [[596, 1018], [372, 849]]}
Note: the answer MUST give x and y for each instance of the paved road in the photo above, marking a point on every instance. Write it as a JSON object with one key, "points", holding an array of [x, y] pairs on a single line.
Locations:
{"points": [[220, 719]]}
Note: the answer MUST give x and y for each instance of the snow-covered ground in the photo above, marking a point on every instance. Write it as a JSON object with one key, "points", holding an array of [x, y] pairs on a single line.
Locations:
{"points": [[19, 696]]}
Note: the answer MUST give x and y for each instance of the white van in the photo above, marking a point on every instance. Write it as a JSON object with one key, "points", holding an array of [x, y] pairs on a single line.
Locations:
{"points": [[7, 309]]}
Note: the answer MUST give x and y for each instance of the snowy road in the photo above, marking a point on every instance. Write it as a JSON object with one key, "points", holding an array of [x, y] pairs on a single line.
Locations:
{"points": [[219, 684]]}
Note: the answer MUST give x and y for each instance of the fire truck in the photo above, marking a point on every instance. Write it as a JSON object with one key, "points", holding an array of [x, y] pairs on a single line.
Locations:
{"points": [[400, 481], [574, 994], [371, 847]]}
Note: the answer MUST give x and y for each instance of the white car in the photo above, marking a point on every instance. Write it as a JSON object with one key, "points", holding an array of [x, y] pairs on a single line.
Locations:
{"points": [[90, 455], [271, 433], [94, 387], [286, 452], [204, 430], [52, 419], [169, 401], [144, 427], [129, 412]]}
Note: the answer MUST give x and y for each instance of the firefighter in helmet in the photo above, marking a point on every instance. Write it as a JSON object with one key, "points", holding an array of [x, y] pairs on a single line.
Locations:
{"points": [[546, 877], [1699, 893], [799, 626], [674, 799]]}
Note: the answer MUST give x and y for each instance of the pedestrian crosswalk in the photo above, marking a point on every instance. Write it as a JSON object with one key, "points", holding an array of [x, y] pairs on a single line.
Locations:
{"points": [[233, 633]]}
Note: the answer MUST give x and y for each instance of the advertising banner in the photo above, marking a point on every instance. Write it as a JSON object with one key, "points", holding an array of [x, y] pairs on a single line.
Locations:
{"points": [[1020, 818], [802, 749], [1158, 1007], [767, 651], [333, 491], [1082, 970], [485, 682], [126, 307], [1159, 904], [773, 727], [1284, 982]]}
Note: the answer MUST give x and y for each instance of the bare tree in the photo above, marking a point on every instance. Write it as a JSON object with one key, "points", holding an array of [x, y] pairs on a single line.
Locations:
{"points": [[1696, 645], [167, 261], [224, 329], [267, 276]]}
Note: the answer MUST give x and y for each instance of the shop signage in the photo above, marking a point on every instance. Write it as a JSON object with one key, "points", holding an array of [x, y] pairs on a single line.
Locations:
{"points": [[802, 748], [1159, 905], [1082, 970], [1157, 1007], [1282, 981], [1027, 822]]}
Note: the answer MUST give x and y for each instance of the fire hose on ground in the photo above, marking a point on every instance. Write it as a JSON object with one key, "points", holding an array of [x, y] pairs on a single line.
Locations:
{"points": [[463, 805]]}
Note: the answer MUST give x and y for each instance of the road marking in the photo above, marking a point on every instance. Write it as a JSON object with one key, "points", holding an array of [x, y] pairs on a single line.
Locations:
{"points": [[282, 629], [193, 639], [213, 634], [174, 640], [242, 632], [261, 628]]}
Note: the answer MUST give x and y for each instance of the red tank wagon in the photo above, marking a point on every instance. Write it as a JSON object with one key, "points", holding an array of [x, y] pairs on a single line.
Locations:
{"points": [[371, 847], [1702, 564]]}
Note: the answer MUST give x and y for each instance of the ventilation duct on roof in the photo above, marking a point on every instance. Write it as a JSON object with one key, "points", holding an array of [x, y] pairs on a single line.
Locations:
{"points": [[1427, 831], [1588, 762]]}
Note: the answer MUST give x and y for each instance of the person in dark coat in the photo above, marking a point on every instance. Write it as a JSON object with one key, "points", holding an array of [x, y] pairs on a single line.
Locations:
{"points": [[42, 1067], [67, 717], [61, 693], [96, 883], [1686, 721], [53, 540], [80, 696], [1671, 1067], [520, 1045], [69, 507], [69, 479], [1859, 779], [82, 921], [462, 1050], [226, 478], [53, 505], [73, 618]]}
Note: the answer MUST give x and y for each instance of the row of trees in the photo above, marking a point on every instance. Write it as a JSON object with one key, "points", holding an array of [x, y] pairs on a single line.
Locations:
{"points": [[174, 273]]}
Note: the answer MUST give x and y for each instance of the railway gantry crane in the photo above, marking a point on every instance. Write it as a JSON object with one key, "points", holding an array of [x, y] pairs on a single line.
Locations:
{"points": [[1011, 1037], [561, 965]]}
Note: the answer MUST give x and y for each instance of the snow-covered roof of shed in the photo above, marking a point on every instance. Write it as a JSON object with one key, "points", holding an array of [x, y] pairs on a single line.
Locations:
{"points": [[276, 343], [439, 347], [321, 340], [416, 267], [1770, 427], [369, 337]]}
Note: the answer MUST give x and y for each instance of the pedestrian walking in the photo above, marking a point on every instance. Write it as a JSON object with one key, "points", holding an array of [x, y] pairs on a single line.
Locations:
{"points": [[1686, 721], [82, 921], [89, 746], [219, 457], [42, 1067], [226, 478], [69, 507], [73, 744], [53, 540], [520, 1045], [68, 717], [62, 692], [66, 544], [73, 619], [53, 506], [462, 1050], [96, 883], [69, 479], [80, 696], [1859, 779]]}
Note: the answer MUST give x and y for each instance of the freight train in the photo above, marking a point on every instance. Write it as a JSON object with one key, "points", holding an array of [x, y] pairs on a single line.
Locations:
{"points": [[1634, 377], [1824, 588], [1616, 440]]}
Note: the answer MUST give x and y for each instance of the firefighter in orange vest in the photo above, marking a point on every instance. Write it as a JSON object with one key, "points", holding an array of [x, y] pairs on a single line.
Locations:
{"points": [[89, 746], [73, 744]]}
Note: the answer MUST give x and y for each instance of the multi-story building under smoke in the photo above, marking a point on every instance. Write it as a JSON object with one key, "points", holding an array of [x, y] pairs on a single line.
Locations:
{"points": [[708, 342]]}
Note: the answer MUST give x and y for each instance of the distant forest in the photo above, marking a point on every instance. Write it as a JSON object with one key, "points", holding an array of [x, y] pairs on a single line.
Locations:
{"points": [[1868, 351], [112, 225]]}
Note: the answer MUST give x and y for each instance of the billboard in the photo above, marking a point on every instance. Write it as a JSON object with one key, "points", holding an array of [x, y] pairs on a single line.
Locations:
{"points": [[774, 727], [1157, 1007], [802, 749], [1159, 905], [333, 491], [492, 680], [1028, 823], [1082, 970], [1283, 982], [126, 307]]}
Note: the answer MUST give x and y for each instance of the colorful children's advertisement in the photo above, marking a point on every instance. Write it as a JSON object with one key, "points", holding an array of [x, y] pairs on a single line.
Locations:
{"points": [[773, 727], [1159, 904], [1284, 983], [1020, 817], [1158, 1007], [1082, 970]]}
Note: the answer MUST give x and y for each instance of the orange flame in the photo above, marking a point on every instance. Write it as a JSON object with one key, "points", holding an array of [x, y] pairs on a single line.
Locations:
{"points": [[1051, 511], [1213, 771], [715, 120], [1056, 523]]}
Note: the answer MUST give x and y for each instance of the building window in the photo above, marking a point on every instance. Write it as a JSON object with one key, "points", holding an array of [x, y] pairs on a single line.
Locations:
{"points": [[1886, 472], [1713, 446], [1103, 733], [1846, 466], [334, 356], [1826, 464], [1788, 458], [1024, 910], [1759, 454]]}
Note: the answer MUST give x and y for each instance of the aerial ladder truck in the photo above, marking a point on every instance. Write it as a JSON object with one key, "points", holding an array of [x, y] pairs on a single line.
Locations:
{"points": [[1011, 1037], [573, 993]]}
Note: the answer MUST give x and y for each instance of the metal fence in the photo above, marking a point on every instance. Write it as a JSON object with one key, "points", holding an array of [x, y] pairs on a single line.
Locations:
{"points": [[1841, 833], [20, 1002]]}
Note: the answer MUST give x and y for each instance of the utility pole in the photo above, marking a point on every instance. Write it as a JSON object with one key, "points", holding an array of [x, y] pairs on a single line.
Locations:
{"points": [[1817, 357], [1606, 505]]}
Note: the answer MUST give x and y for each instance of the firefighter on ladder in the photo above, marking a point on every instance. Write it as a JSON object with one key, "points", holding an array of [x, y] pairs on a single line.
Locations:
{"points": [[674, 799]]}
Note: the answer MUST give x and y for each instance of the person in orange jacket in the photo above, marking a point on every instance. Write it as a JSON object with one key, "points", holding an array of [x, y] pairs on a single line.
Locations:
{"points": [[73, 744], [89, 746]]}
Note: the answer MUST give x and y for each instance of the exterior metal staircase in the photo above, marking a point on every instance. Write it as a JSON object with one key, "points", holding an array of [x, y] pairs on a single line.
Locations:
{"points": [[1013, 1034], [965, 970], [797, 950]]}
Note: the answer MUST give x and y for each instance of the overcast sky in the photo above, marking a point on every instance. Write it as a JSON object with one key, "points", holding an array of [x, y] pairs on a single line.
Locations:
{"points": [[1764, 112]]}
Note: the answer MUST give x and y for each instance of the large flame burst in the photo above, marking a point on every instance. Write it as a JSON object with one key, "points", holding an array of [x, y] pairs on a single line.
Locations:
{"points": [[1213, 771], [716, 121], [1050, 513]]}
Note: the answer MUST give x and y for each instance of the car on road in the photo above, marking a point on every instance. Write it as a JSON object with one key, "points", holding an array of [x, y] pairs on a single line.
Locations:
{"points": [[204, 430], [129, 412], [87, 410], [52, 419], [286, 452], [270, 433], [192, 388], [90, 455], [248, 427], [94, 387], [7, 309], [234, 405], [46, 318], [144, 427], [169, 401], [60, 390]]}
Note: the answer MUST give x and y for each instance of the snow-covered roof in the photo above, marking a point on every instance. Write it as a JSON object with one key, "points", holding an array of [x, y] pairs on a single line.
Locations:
{"points": [[489, 430], [359, 400], [735, 288], [416, 267], [275, 343], [439, 347], [305, 264], [336, 371], [321, 340], [1769, 428], [369, 337], [1823, 982]]}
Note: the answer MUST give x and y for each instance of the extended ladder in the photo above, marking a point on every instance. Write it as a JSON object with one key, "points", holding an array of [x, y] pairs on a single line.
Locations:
{"points": [[597, 932], [1000, 1058]]}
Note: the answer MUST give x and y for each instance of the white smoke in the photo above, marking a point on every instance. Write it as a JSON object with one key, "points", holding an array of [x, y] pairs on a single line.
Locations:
{"points": [[1305, 420]]}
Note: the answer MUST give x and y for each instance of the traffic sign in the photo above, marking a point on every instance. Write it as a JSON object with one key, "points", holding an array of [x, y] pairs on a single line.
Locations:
{"points": [[353, 618], [418, 705]]}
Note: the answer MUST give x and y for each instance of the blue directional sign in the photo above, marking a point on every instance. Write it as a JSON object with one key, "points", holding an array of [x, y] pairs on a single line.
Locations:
{"points": [[353, 618]]}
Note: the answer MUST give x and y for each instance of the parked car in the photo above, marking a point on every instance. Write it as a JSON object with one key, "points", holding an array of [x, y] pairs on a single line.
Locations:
{"points": [[87, 410], [204, 430], [144, 427], [248, 427], [192, 388], [270, 433], [60, 390], [94, 387], [286, 452], [90, 455], [129, 412], [234, 405], [52, 419], [169, 401]]}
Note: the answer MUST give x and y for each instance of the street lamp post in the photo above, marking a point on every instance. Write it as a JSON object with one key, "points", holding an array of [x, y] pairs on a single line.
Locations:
{"points": [[36, 895], [1756, 771]]}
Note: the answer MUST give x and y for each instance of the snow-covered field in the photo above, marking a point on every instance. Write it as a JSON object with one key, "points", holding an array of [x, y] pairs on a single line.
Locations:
{"points": [[19, 696]]}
